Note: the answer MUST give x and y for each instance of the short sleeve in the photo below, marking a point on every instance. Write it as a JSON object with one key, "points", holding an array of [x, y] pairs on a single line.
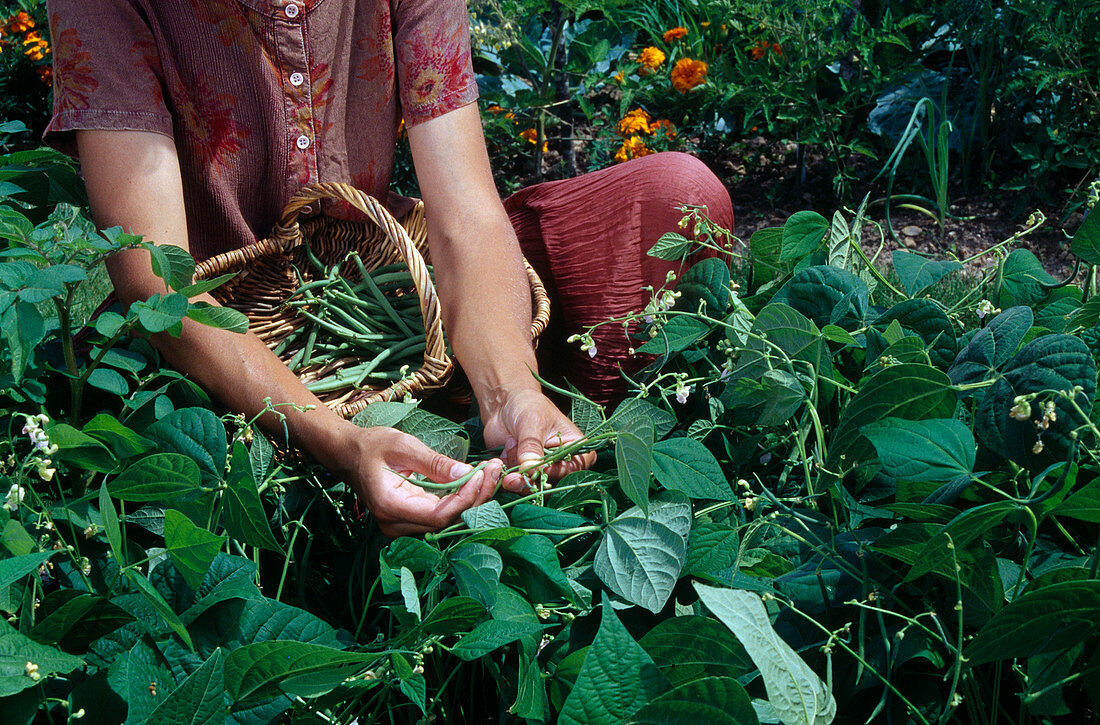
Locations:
{"points": [[432, 57], [106, 71]]}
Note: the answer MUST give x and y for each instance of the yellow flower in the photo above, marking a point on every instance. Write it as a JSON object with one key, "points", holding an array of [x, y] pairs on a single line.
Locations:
{"points": [[532, 136], [688, 74], [637, 121], [651, 58], [632, 148], [619, 78], [674, 34]]}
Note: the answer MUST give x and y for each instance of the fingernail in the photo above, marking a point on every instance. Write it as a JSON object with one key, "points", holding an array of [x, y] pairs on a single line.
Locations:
{"points": [[459, 470], [529, 456]]}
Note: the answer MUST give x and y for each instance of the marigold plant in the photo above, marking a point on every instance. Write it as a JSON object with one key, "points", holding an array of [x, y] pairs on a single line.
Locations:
{"points": [[632, 148], [636, 121], [650, 59], [688, 74], [531, 135], [674, 34]]}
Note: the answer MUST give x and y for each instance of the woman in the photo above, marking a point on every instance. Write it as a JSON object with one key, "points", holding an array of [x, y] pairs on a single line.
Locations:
{"points": [[196, 120]]}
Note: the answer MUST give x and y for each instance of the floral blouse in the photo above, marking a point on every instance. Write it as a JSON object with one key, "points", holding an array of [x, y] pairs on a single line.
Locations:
{"points": [[260, 96]]}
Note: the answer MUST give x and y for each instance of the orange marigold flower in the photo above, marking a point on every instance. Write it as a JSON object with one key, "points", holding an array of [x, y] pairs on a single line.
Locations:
{"points": [[674, 34], [637, 121], [36, 47], [705, 24], [45, 73], [21, 22], [619, 78], [531, 135], [494, 108], [688, 74], [632, 148], [777, 49], [759, 50], [663, 124], [651, 57]]}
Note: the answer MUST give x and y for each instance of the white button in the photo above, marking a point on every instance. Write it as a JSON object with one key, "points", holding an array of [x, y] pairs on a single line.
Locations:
{"points": [[303, 142], [307, 210], [291, 10], [297, 79]]}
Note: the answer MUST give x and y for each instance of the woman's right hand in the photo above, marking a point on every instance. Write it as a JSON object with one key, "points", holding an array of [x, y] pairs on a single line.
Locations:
{"points": [[375, 463]]}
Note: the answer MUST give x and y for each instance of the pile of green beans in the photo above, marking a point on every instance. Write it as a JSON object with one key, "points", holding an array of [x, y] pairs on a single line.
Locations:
{"points": [[355, 332]]}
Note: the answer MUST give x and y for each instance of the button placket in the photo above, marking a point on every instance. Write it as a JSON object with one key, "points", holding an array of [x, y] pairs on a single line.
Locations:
{"points": [[297, 96]]}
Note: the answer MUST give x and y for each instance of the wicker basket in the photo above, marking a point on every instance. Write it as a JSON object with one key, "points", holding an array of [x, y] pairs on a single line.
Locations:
{"points": [[269, 271]]}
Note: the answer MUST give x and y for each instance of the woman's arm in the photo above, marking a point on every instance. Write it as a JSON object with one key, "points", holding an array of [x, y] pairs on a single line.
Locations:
{"points": [[484, 289], [133, 181]]}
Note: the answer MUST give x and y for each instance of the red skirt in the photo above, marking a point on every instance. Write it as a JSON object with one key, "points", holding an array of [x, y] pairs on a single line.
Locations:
{"points": [[587, 237]]}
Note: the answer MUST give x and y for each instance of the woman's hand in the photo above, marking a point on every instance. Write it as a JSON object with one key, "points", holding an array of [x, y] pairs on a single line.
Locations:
{"points": [[376, 462], [525, 423]]}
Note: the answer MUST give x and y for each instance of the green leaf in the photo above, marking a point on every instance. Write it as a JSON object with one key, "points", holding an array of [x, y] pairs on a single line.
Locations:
{"points": [[242, 511], [172, 264], [197, 433], [685, 465], [16, 650], [1048, 363], [154, 598], [24, 328], [626, 414], [1049, 619], [1083, 505], [765, 246], [492, 635], [454, 615], [797, 694], [122, 441], [109, 323], [159, 314], [73, 620], [527, 516], [386, 414], [199, 700], [918, 273], [634, 460], [81, 450], [409, 593], [708, 281], [1086, 240], [158, 477], [712, 548], [640, 558], [969, 526], [671, 246], [1022, 280], [803, 233], [616, 679], [909, 391], [436, 432], [261, 454], [928, 320], [679, 333], [221, 318], [477, 570], [692, 647], [827, 295], [839, 248], [711, 700], [205, 285], [489, 515], [191, 548], [780, 332], [936, 450], [110, 523], [992, 346], [17, 567], [536, 565], [132, 672], [109, 380], [257, 670]]}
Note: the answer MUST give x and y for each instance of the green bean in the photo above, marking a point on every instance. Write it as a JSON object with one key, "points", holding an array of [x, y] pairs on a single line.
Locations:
{"points": [[451, 486], [386, 307]]}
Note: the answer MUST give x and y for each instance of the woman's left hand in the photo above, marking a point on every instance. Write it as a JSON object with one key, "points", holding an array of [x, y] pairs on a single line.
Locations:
{"points": [[525, 424]]}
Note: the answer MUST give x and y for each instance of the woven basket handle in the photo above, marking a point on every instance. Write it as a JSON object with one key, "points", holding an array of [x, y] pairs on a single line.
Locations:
{"points": [[437, 364]]}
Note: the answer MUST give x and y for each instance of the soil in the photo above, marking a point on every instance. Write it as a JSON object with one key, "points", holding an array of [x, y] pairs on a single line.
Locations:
{"points": [[763, 184]]}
